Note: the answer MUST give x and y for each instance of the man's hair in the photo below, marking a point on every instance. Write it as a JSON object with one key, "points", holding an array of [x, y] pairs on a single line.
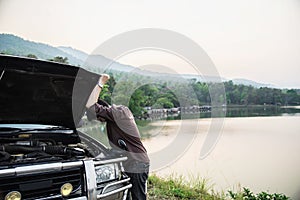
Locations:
{"points": [[103, 103]]}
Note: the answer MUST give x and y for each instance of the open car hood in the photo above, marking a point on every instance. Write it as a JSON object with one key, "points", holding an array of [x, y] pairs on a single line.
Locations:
{"points": [[40, 92]]}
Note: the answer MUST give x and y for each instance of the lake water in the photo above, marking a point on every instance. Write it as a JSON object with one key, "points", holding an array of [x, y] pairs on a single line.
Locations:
{"points": [[261, 153]]}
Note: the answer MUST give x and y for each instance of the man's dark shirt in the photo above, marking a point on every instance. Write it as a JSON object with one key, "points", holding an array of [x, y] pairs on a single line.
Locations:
{"points": [[120, 124]]}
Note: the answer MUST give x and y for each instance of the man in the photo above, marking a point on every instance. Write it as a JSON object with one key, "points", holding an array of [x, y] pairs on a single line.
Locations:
{"points": [[123, 134]]}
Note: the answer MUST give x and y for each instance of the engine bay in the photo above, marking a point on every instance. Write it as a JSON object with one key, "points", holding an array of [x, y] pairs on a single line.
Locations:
{"points": [[40, 146]]}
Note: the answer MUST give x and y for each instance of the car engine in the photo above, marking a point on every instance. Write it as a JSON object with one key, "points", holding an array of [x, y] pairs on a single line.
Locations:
{"points": [[27, 148]]}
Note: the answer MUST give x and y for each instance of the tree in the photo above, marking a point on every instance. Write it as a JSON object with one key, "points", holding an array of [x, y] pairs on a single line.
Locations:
{"points": [[59, 59], [163, 103], [291, 97], [31, 56]]}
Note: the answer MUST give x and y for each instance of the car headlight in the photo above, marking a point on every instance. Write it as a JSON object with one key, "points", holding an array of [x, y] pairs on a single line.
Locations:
{"points": [[106, 172]]}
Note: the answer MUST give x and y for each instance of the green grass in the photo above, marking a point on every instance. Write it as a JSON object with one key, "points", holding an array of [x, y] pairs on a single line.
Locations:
{"points": [[175, 187]]}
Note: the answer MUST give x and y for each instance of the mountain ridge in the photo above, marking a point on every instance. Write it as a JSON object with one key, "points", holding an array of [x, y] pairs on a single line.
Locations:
{"points": [[15, 45]]}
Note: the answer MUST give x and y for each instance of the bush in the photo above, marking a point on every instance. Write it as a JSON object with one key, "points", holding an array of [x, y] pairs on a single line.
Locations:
{"points": [[246, 194], [175, 188]]}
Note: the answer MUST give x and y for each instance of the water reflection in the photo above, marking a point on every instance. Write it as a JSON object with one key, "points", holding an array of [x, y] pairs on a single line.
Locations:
{"points": [[232, 111], [255, 111]]}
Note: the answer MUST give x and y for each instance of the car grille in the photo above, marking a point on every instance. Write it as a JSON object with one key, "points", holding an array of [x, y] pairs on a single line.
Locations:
{"points": [[38, 186]]}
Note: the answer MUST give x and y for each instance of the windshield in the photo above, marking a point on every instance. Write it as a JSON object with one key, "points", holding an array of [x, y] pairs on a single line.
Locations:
{"points": [[95, 129]]}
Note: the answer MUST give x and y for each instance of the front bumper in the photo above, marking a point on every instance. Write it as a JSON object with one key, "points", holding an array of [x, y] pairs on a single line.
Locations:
{"points": [[112, 190], [115, 194], [42, 177], [107, 192]]}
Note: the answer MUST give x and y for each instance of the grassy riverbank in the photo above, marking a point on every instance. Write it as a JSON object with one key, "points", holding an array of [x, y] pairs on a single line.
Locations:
{"points": [[175, 188]]}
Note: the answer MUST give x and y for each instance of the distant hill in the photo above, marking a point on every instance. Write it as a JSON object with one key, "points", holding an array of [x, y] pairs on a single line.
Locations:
{"points": [[96, 60], [14, 45], [74, 52], [235, 81], [252, 83]]}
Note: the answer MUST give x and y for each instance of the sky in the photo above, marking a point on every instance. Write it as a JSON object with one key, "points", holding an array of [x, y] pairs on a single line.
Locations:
{"points": [[251, 39]]}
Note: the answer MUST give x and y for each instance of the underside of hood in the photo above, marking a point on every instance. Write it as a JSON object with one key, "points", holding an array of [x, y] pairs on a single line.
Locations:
{"points": [[41, 92]]}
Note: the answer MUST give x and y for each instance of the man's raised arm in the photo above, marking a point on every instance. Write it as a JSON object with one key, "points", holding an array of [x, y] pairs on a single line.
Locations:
{"points": [[96, 91]]}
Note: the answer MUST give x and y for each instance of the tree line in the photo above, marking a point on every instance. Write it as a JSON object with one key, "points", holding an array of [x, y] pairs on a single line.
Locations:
{"points": [[248, 95], [161, 94]]}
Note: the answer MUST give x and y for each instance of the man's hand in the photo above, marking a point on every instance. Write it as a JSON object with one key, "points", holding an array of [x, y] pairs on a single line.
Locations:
{"points": [[103, 79]]}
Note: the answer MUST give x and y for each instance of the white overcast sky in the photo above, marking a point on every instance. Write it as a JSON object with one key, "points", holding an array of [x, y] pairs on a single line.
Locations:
{"points": [[253, 39]]}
